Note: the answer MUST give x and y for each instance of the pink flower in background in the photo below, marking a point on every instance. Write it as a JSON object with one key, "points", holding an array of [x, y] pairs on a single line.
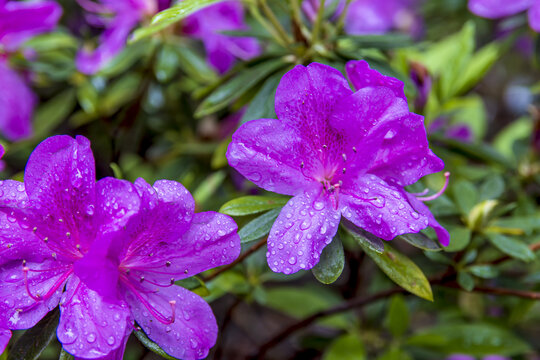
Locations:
{"points": [[494, 9], [118, 18], [20, 21], [222, 50]]}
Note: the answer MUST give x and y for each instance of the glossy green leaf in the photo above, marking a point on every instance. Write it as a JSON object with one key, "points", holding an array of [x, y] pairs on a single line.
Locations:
{"points": [[465, 280], [512, 247], [238, 86], [331, 262], [465, 195], [421, 241], [258, 227], [64, 355], [248, 205], [492, 188], [262, 105], [152, 346], [397, 317], [346, 347], [170, 16], [34, 340], [483, 271], [194, 284], [52, 113], [460, 237], [472, 339], [364, 238], [401, 270]]}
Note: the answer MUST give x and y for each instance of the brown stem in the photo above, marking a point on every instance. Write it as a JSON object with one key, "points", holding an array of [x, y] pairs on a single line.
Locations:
{"points": [[241, 258]]}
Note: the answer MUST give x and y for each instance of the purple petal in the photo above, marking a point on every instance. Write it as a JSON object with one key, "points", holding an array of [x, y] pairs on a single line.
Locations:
{"points": [[305, 98], [112, 42], [117, 200], [404, 156], [60, 180], [272, 155], [45, 279], [21, 20], [17, 102], [362, 76], [534, 16], [5, 336], [304, 227], [194, 330], [498, 8], [421, 208], [211, 241], [90, 327], [207, 25], [166, 213], [379, 208], [371, 17]]}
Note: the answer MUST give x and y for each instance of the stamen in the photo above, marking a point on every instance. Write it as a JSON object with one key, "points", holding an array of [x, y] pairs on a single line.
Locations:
{"points": [[426, 190], [51, 291], [168, 263], [302, 165], [344, 156], [440, 192]]}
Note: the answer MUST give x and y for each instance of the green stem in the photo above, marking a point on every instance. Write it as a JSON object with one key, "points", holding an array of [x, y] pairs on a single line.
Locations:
{"points": [[318, 23], [65, 355], [275, 22], [341, 20], [257, 15]]}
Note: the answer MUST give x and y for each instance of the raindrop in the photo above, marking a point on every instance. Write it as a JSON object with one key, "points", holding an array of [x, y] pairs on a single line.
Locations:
{"points": [[91, 338]]}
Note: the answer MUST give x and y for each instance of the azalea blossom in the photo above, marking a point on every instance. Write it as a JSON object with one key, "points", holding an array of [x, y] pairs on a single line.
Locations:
{"points": [[119, 18], [164, 242], [370, 17], [207, 25], [338, 152], [494, 9], [49, 225], [20, 21]]}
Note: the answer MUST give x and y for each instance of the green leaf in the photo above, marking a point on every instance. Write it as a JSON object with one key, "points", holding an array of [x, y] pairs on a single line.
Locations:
{"points": [[364, 238], [472, 339], [518, 129], [166, 64], [492, 188], [346, 347], [383, 42], [397, 318], [209, 186], [152, 346], [238, 86], [526, 223], [119, 93], [194, 65], [460, 237], [219, 158], [170, 16], [52, 113], [477, 67], [421, 241], [331, 263], [483, 271], [248, 205], [480, 213], [511, 247], [34, 340], [64, 355], [194, 284], [395, 353], [258, 227], [466, 281], [466, 196], [401, 270], [262, 105]]}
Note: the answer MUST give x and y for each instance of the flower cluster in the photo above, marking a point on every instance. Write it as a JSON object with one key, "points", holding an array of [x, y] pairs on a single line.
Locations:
{"points": [[494, 9], [205, 25], [116, 247], [20, 21], [338, 152]]}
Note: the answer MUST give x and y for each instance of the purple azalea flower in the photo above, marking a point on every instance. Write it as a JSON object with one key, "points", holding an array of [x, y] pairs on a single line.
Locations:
{"points": [[338, 153], [20, 21], [126, 14], [370, 17], [222, 50], [164, 242], [494, 9], [50, 225]]}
